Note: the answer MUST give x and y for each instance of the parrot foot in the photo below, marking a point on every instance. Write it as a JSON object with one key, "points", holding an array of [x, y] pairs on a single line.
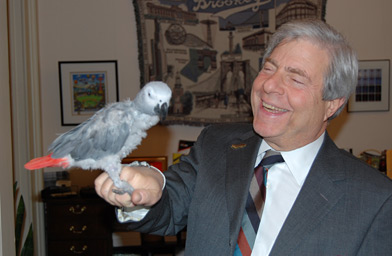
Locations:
{"points": [[124, 187]]}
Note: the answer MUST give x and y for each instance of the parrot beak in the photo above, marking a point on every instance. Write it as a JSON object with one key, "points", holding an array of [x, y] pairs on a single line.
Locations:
{"points": [[161, 111]]}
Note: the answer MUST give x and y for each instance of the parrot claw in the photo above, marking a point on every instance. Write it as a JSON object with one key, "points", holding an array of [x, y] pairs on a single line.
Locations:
{"points": [[122, 191], [118, 191], [124, 188]]}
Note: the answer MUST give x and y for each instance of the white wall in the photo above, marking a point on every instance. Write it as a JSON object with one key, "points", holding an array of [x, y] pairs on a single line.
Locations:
{"points": [[105, 30], [367, 25]]}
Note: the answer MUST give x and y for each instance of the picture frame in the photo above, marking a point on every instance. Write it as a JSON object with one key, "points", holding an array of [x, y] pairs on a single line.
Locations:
{"points": [[85, 88], [372, 91], [159, 162]]}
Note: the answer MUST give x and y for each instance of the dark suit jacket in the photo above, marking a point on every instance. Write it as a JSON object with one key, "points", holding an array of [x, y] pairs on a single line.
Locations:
{"points": [[343, 208]]}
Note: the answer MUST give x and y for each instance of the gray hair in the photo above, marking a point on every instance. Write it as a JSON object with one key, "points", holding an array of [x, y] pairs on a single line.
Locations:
{"points": [[341, 75]]}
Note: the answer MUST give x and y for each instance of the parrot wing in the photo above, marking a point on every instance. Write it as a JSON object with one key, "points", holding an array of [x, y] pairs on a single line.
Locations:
{"points": [[103, 134]]}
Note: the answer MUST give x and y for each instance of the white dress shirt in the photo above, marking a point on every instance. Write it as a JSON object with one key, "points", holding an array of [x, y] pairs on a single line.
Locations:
{"points": [[284, 182]]}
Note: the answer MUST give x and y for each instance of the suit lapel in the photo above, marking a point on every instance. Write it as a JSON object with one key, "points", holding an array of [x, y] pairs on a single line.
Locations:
{"points": [[317, 197], [241, 155]]}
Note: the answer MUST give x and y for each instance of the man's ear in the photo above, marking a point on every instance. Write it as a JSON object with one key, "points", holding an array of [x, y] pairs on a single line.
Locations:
{"points": [[333, 106]]}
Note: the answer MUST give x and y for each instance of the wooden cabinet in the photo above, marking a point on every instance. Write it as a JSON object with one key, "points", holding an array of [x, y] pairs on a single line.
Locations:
{"points": [[78, 226]]}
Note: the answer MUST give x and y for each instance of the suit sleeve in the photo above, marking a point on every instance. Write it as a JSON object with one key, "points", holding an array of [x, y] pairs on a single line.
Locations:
{"points": [[379, 237]]}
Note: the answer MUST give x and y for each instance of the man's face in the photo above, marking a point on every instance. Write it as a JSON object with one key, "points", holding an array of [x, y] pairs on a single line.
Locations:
{"points": [[287, 103]]}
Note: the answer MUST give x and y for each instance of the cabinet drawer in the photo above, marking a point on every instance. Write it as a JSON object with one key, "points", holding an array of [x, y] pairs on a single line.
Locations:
{"points": [[78, 210], [76, 229], [78, 226], [77, 221], [78, 247]]}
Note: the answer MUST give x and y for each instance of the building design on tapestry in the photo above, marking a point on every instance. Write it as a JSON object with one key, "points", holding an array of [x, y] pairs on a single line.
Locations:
{"points": [[177, 94], [297, 9], [170, 14], [209, 53]]}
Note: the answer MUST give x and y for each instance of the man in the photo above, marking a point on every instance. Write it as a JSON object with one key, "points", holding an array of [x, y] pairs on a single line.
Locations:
{"points": [[320, 201]]}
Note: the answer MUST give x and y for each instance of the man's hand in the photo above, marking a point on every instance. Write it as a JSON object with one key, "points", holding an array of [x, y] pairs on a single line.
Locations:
{"points": [[148, 185]]}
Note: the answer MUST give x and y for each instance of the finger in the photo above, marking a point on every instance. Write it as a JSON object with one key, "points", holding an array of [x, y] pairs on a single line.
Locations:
{"points": [[127, 173], [99, 184], [145, 197], [120, 200], [124, 200], [137, 197], [104, 187], [112, 197]]}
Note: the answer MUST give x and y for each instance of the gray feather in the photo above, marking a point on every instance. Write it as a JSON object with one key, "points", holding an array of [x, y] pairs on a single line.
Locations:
{"points": [[65, 143]]}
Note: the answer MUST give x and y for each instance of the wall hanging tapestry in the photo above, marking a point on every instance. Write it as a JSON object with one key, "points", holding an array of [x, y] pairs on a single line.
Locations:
{"points": [[209, 52]]}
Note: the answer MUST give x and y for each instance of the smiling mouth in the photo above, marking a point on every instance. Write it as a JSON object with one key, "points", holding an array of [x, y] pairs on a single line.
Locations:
{"points": [[273, 109]]}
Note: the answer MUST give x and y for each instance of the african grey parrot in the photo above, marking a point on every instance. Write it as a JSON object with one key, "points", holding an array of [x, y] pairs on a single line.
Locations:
{"points": [[102, 141]]}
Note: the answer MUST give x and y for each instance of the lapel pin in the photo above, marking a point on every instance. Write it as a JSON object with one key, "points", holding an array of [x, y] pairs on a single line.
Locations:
{"points": [[238, 146]]}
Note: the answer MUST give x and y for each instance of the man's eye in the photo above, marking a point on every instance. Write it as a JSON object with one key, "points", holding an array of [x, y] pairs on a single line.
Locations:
{"points": [[267, 68], [297, 81]]}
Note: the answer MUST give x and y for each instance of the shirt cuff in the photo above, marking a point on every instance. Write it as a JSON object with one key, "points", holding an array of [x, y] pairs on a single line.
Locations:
{"points": [[136, 213]]}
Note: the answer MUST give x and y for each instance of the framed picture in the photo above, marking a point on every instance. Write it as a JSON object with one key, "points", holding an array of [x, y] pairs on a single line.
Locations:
{"points": [[85, 88], [159, 162], [372, 92]]}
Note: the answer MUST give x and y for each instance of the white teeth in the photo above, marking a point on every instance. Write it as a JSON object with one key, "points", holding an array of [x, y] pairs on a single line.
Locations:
{"points": [[274, 109]]}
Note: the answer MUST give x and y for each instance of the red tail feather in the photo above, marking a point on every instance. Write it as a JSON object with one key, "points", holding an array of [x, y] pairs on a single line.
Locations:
{"points": [[46, 161]]}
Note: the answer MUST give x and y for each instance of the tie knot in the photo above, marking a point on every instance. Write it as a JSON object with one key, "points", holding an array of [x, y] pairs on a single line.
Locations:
{"points": [[270, 158]]}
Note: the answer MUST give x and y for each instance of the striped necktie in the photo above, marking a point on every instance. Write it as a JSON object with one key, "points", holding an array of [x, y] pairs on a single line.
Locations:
{"points": [[255, 204]]}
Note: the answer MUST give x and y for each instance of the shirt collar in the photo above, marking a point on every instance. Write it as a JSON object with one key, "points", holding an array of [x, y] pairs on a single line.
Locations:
{"points": [[298, 160]]}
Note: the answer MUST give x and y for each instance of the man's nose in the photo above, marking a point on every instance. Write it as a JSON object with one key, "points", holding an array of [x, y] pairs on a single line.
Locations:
{"points": [[274, 83]]}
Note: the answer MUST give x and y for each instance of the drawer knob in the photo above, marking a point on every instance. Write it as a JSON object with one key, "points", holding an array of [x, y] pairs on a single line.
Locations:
{"points": [[77, 209], [75, 231], [75, 251]]}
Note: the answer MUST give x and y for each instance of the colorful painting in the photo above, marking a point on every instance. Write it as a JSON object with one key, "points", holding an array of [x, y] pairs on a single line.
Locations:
{"points": [[85, 88], [209, 52], [88, 92]]}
